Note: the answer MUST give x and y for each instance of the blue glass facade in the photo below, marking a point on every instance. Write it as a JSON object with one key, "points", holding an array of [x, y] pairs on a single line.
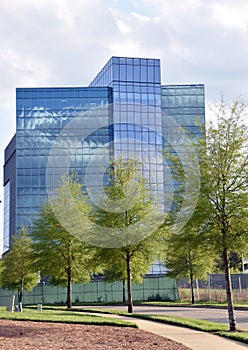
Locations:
{"points": [[131, 90], [6, 228], [9, 193], [41, 115], [137, 122], [185, 105]]}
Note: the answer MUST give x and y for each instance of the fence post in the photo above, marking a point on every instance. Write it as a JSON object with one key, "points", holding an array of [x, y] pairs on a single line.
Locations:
{"points": [[209, 288], [197, 289], [10, 303]]}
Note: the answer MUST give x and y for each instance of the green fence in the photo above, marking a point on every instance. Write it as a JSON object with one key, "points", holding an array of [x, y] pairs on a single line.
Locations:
{"points": [[152, 288]]}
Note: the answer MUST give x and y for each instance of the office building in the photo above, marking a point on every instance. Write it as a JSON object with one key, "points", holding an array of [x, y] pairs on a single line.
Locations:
{"points": [[133, 104]]}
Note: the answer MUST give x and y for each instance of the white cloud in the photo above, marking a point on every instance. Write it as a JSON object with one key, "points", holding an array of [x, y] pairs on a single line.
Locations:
{"points": [[231, 16], [125, 49], [123, 28], [180, 50], [141, 17], [66, 42]]}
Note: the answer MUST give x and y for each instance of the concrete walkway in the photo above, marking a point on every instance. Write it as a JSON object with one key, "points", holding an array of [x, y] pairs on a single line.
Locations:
{"points": [[195, 340]]}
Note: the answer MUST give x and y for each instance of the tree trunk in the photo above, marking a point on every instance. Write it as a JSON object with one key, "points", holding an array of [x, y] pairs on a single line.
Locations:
{"points": [[124, 290], [69, 290], [192, 288], [20, 293], [229, 295], [129, 286]]}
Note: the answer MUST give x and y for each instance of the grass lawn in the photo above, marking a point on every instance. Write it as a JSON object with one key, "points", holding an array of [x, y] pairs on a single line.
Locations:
{"points": [[201, 325], [171, 303], [62, 316], [197, 304]]}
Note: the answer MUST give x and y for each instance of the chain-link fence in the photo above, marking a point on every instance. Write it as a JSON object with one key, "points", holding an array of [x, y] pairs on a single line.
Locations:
{"points": [[152, 288], [213, 288]]}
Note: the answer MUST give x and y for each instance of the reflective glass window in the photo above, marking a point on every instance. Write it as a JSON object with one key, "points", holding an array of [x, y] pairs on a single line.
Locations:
{"points": [[129, 72], [136, 73], [157, 74], [150, 73], [46, 112], [6, 217], [116, 72], [143, 73], [123, 72]]}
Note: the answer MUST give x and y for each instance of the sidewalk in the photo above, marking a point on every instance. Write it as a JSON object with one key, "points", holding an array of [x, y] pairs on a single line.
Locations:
{"points": [[196, 340]]}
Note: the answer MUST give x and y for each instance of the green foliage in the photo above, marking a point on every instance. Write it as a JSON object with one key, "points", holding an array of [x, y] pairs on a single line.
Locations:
{"points": [[129, 210], [188, 255], [57, 251], [18, 266], [139, 248], [113, 261], [143, 251], [224, 174], [220, 215], [61, 256], [188, 249]]}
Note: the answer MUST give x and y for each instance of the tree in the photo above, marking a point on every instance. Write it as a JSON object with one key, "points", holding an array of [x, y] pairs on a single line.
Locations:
{"points": [[132, 248], [132, 262], [222, 205], [114, 271], [18, 271], [188, 254], [188, 250], [224, 171], [60, 255]]}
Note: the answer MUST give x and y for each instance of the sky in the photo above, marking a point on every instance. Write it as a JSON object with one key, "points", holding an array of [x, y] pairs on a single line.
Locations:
{"points": [[47, 43]]}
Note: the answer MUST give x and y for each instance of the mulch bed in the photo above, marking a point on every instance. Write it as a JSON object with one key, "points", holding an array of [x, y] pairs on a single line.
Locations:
{"points": [[57, 336]]}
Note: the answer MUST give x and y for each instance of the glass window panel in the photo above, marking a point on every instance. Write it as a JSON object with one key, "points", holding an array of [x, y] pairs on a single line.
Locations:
{"points": [[123, 72], [136, 73], [136, 61], [122, 60], [144, 88], [19, 93], [200, 100], [129, 72], [116, 72], [123, 97], [144, 98], [137, 98], [130, 97], [20, 123], [157, 74], [150, 73], [143, 73]]}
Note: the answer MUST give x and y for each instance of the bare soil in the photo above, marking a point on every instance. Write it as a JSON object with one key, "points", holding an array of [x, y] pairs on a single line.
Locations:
{"points": [[57, 336]]}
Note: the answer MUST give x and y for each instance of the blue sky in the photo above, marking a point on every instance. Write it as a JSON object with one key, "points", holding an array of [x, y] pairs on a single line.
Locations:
{"points": [[66, 42]]}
